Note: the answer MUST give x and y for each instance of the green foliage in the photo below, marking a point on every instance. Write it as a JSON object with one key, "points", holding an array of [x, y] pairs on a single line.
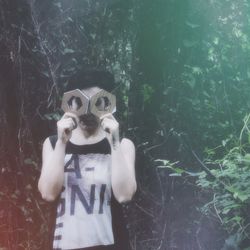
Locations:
{"points": [[230, 188], [147, 91], [227, 182], [173, 166], [53, 116], [182, 73]]}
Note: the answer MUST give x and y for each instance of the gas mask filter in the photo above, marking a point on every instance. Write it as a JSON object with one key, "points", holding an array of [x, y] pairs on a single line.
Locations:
{"points": [[94, 101]]}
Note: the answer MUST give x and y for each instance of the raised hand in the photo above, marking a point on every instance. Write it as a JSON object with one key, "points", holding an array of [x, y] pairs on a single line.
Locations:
{"points": [[65, 126], [111, 127]]}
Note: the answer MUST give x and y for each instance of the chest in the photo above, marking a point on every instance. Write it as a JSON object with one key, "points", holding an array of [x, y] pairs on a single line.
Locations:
{"points": [[88, 169]]}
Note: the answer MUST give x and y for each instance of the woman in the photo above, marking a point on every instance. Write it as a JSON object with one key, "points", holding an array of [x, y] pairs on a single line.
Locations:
{"points": [[92, 171]]}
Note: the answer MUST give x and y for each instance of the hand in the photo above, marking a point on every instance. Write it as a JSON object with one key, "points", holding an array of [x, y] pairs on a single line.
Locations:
{"points": [[65, 126], [111, 127]]}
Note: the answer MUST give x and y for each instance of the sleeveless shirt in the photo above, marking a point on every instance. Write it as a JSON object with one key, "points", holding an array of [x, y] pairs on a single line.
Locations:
{"points": [[88, 216]]}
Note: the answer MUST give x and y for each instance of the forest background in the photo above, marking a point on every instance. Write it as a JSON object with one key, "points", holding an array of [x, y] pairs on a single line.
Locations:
{"points": [[182, 72]]}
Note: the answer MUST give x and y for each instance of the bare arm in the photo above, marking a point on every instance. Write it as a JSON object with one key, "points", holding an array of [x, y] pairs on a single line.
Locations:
{"points": [[123, 161], [52, 175], [123, 170]]}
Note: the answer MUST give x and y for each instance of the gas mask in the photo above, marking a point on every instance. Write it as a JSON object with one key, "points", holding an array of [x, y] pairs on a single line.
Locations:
{"points": [[93, 100]]}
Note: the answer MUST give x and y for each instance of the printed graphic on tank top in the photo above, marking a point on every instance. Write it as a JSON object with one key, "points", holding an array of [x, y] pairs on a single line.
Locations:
{"points": [[84, 211]]}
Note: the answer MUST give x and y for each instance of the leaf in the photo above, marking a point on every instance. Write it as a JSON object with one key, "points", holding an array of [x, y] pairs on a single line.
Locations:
{"points": [[176, 170], [197, 70], [216, 40], [231, 189], [243, 197], [45, 73], [175, 175], [206, 94], [230, 207], [193, 174], [28, 161], [237, 218], [224, 142], [68, 51], [165, 162], [247, 157], [59, 5], [28, 187], [29, 219], [93, 35], [52, 116], [147, 92], [162, 166], [238, 194], [192, 25], [48, 116], [191, 82], [189, 43]]}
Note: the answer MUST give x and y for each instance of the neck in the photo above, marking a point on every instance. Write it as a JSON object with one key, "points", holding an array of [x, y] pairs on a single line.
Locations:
{"points": [[81, 136]]}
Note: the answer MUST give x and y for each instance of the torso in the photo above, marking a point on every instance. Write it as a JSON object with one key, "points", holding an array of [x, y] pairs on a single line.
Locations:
{"points": [[84, 214], [85, 208]]}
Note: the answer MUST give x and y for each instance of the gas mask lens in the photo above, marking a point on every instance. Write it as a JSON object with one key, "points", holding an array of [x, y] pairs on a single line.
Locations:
{"points": [[103, 104], [74, 103], [95, 101]]}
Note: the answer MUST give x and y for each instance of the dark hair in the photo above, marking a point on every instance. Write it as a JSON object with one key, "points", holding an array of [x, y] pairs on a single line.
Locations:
{"points": [[90, 78]]}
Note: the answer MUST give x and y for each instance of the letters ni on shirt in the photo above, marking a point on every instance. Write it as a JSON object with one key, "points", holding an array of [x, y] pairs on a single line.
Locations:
{"points": [[84, 212]]}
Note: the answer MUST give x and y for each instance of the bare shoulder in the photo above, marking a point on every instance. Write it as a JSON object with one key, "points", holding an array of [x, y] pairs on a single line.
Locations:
{"points": [[127, 143], [47, 148], [128, 148], [47, 143]]}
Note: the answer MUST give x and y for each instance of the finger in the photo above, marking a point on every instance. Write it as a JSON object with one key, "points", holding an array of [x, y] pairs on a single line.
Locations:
{"points": [[108, 116], [75, 122], [113, 124], [70, 123], [68, 129], [67, 123], [105, 126], [73, 119], [107, 121], [71, 115]]}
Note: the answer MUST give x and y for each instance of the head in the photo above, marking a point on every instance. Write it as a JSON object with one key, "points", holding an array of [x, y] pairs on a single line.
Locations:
{"points": [[90, 82]]}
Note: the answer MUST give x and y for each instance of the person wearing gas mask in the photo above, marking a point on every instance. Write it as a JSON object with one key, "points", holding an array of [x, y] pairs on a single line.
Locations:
{"points": [[88, 169]]}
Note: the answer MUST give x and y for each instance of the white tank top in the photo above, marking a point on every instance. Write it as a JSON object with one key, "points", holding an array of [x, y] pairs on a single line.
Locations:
{"points": [[84, 209]]}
